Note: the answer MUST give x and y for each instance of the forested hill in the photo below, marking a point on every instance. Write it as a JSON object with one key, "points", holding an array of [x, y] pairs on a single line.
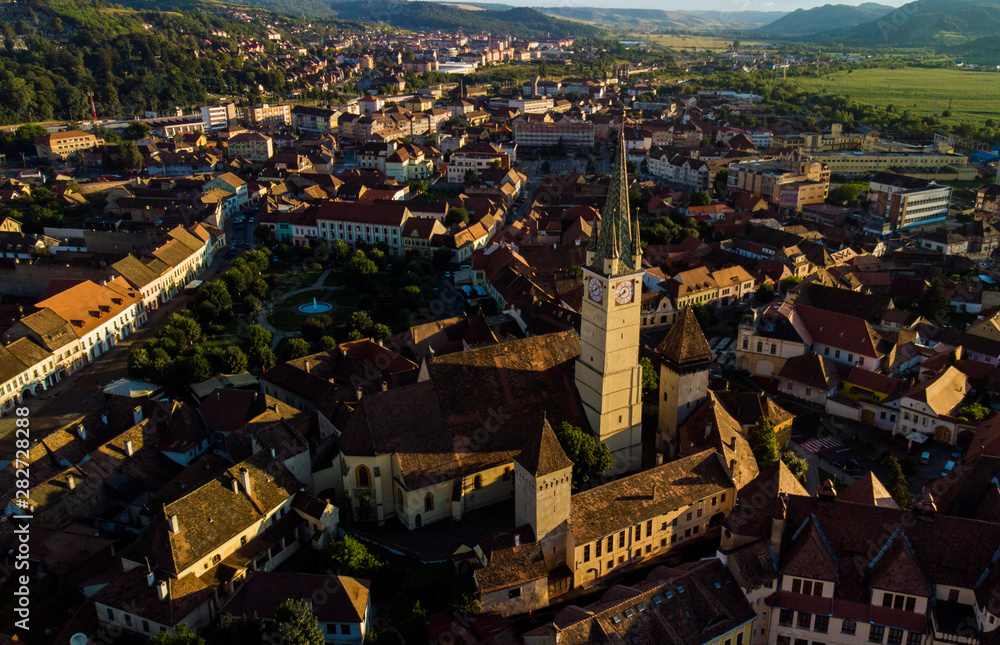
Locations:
{"points": [[831, 16], [927, 23], [52, 52], [409, 14]]}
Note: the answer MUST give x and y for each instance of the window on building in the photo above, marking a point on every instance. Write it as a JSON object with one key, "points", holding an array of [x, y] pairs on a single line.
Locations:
{"points": [[699, 512], [785, 617], [876, 634], [514, 593], [760, 346], [895, 636], [611, 544], [804, 620], [911, 603], [887, 600], [848, 626], [597, 548], [363, 477], [673, 523], [722, 498], [428, 502], [649, 528], [621, 540], [586, 553], [689, 517], [477, 482], [822, 624], [913, 638], [796, 586]]}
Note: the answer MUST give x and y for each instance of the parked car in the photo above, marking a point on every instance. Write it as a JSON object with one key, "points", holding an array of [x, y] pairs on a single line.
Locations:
{"points": [[956, 453], [947, 468], [925, 457]]}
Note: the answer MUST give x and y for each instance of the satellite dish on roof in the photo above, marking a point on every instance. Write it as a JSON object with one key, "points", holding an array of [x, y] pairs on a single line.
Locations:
{"points": [[78, 639]]}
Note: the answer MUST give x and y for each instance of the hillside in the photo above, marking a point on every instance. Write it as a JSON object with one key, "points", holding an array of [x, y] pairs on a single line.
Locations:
{"points": [[432, 15], [803, 22], [634, 19], [926, 23], [739, 19]]}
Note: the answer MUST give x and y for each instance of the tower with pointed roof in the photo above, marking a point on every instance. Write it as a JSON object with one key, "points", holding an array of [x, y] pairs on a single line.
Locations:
{"points": [[683, 377], [608, 375], [543, 484]]}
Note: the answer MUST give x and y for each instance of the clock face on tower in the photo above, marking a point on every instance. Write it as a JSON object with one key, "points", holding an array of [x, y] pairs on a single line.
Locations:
{"points": [[623, 293], [596, 290]]}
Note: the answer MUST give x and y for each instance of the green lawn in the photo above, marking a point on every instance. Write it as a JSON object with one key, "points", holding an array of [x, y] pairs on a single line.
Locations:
{"points": [[973, 96], [287, 320], [220, 342]]}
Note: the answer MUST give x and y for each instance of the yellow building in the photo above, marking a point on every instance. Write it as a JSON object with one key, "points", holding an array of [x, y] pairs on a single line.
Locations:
{"points": [[60, 145]]}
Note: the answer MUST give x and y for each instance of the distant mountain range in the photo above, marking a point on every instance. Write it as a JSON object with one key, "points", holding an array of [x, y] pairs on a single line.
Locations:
{"points": [[652, 20], [804, 22], [926, 23], [520, 21]]}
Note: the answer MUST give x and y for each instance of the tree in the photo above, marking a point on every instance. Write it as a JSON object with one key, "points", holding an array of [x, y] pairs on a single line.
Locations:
{"points": [[764, 293], [469, 177], [182, 330], [650, 377], [182, 635], [443, 255], [349, 557], [897, 483], [217, 293], [295, 624], [707, 314], [326, 344], [409, 297], [359, 268], [238, 630], [129, 157], [339, 251], [228, 360], [457, 215], [790, 282], [296, 348], [137, 130], [932, 300], [974, 412], [379, 331], [262, 234], [764, 444], [700, 198], [591, 458], [314, 328], [796, 465], [138, 362]]}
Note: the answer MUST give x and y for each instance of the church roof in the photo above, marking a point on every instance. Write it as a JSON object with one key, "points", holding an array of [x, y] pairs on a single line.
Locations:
{"points": [[685, 342], [543, 454]]}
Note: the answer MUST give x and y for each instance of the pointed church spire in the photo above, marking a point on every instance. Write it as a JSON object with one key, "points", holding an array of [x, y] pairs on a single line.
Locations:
{"points": [[613, 253]]}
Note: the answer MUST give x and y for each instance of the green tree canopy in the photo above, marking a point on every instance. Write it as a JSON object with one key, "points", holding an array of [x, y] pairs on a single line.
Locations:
{"points": [[349, 557], [295, 624], [650, 377], [457, 215], [180, 636], [591, 458], [764, 444], [932, 301], [764, 293], [701, 198], [897, 484]]}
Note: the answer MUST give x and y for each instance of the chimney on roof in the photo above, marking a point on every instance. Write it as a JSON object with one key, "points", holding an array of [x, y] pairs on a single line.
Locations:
{"points": [[358, 393], [175, 525], [517, 539], [150, 577], [827, 490], [162, 592], [708, 430], [274, 453], [245, 480], [82, 431], [235, 486], [926, 508], [307, 366], [385, 386], [71, 482], [129, 450], [778, 523]]}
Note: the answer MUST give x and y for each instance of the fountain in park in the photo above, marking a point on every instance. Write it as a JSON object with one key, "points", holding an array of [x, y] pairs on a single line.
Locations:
{"points": [[315, 307]]}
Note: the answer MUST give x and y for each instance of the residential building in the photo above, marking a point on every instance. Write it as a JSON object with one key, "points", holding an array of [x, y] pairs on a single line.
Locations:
{"points": [[371, 223], [565, 133], [238, 192], [251, 146], [344, 616], [692, 175], [856, 163], [930, 408], [767, 178], [768, 339], [988, 199], [81, 322], [819, 583], [664, 609], [410, 162], [219, 117], [898, 202], [26, 369], [314, 119], [476, 157], [57, 146], [268, 115], [944, 241], [810, 377]]}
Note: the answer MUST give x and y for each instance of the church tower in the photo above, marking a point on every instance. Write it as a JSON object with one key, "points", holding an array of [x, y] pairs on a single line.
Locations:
{"points": [[608, 375], [543, 484], [683, 377]]}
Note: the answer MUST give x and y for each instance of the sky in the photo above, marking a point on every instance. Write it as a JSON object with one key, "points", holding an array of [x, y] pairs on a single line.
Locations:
{"points": [[699, 5]]}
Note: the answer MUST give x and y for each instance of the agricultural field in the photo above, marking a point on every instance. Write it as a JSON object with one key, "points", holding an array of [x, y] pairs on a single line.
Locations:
{"points": [[689, 42], [972, 96]]}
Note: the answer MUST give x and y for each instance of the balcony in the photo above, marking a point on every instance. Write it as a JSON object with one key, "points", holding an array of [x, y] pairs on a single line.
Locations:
{"points": [[953, 622]]}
